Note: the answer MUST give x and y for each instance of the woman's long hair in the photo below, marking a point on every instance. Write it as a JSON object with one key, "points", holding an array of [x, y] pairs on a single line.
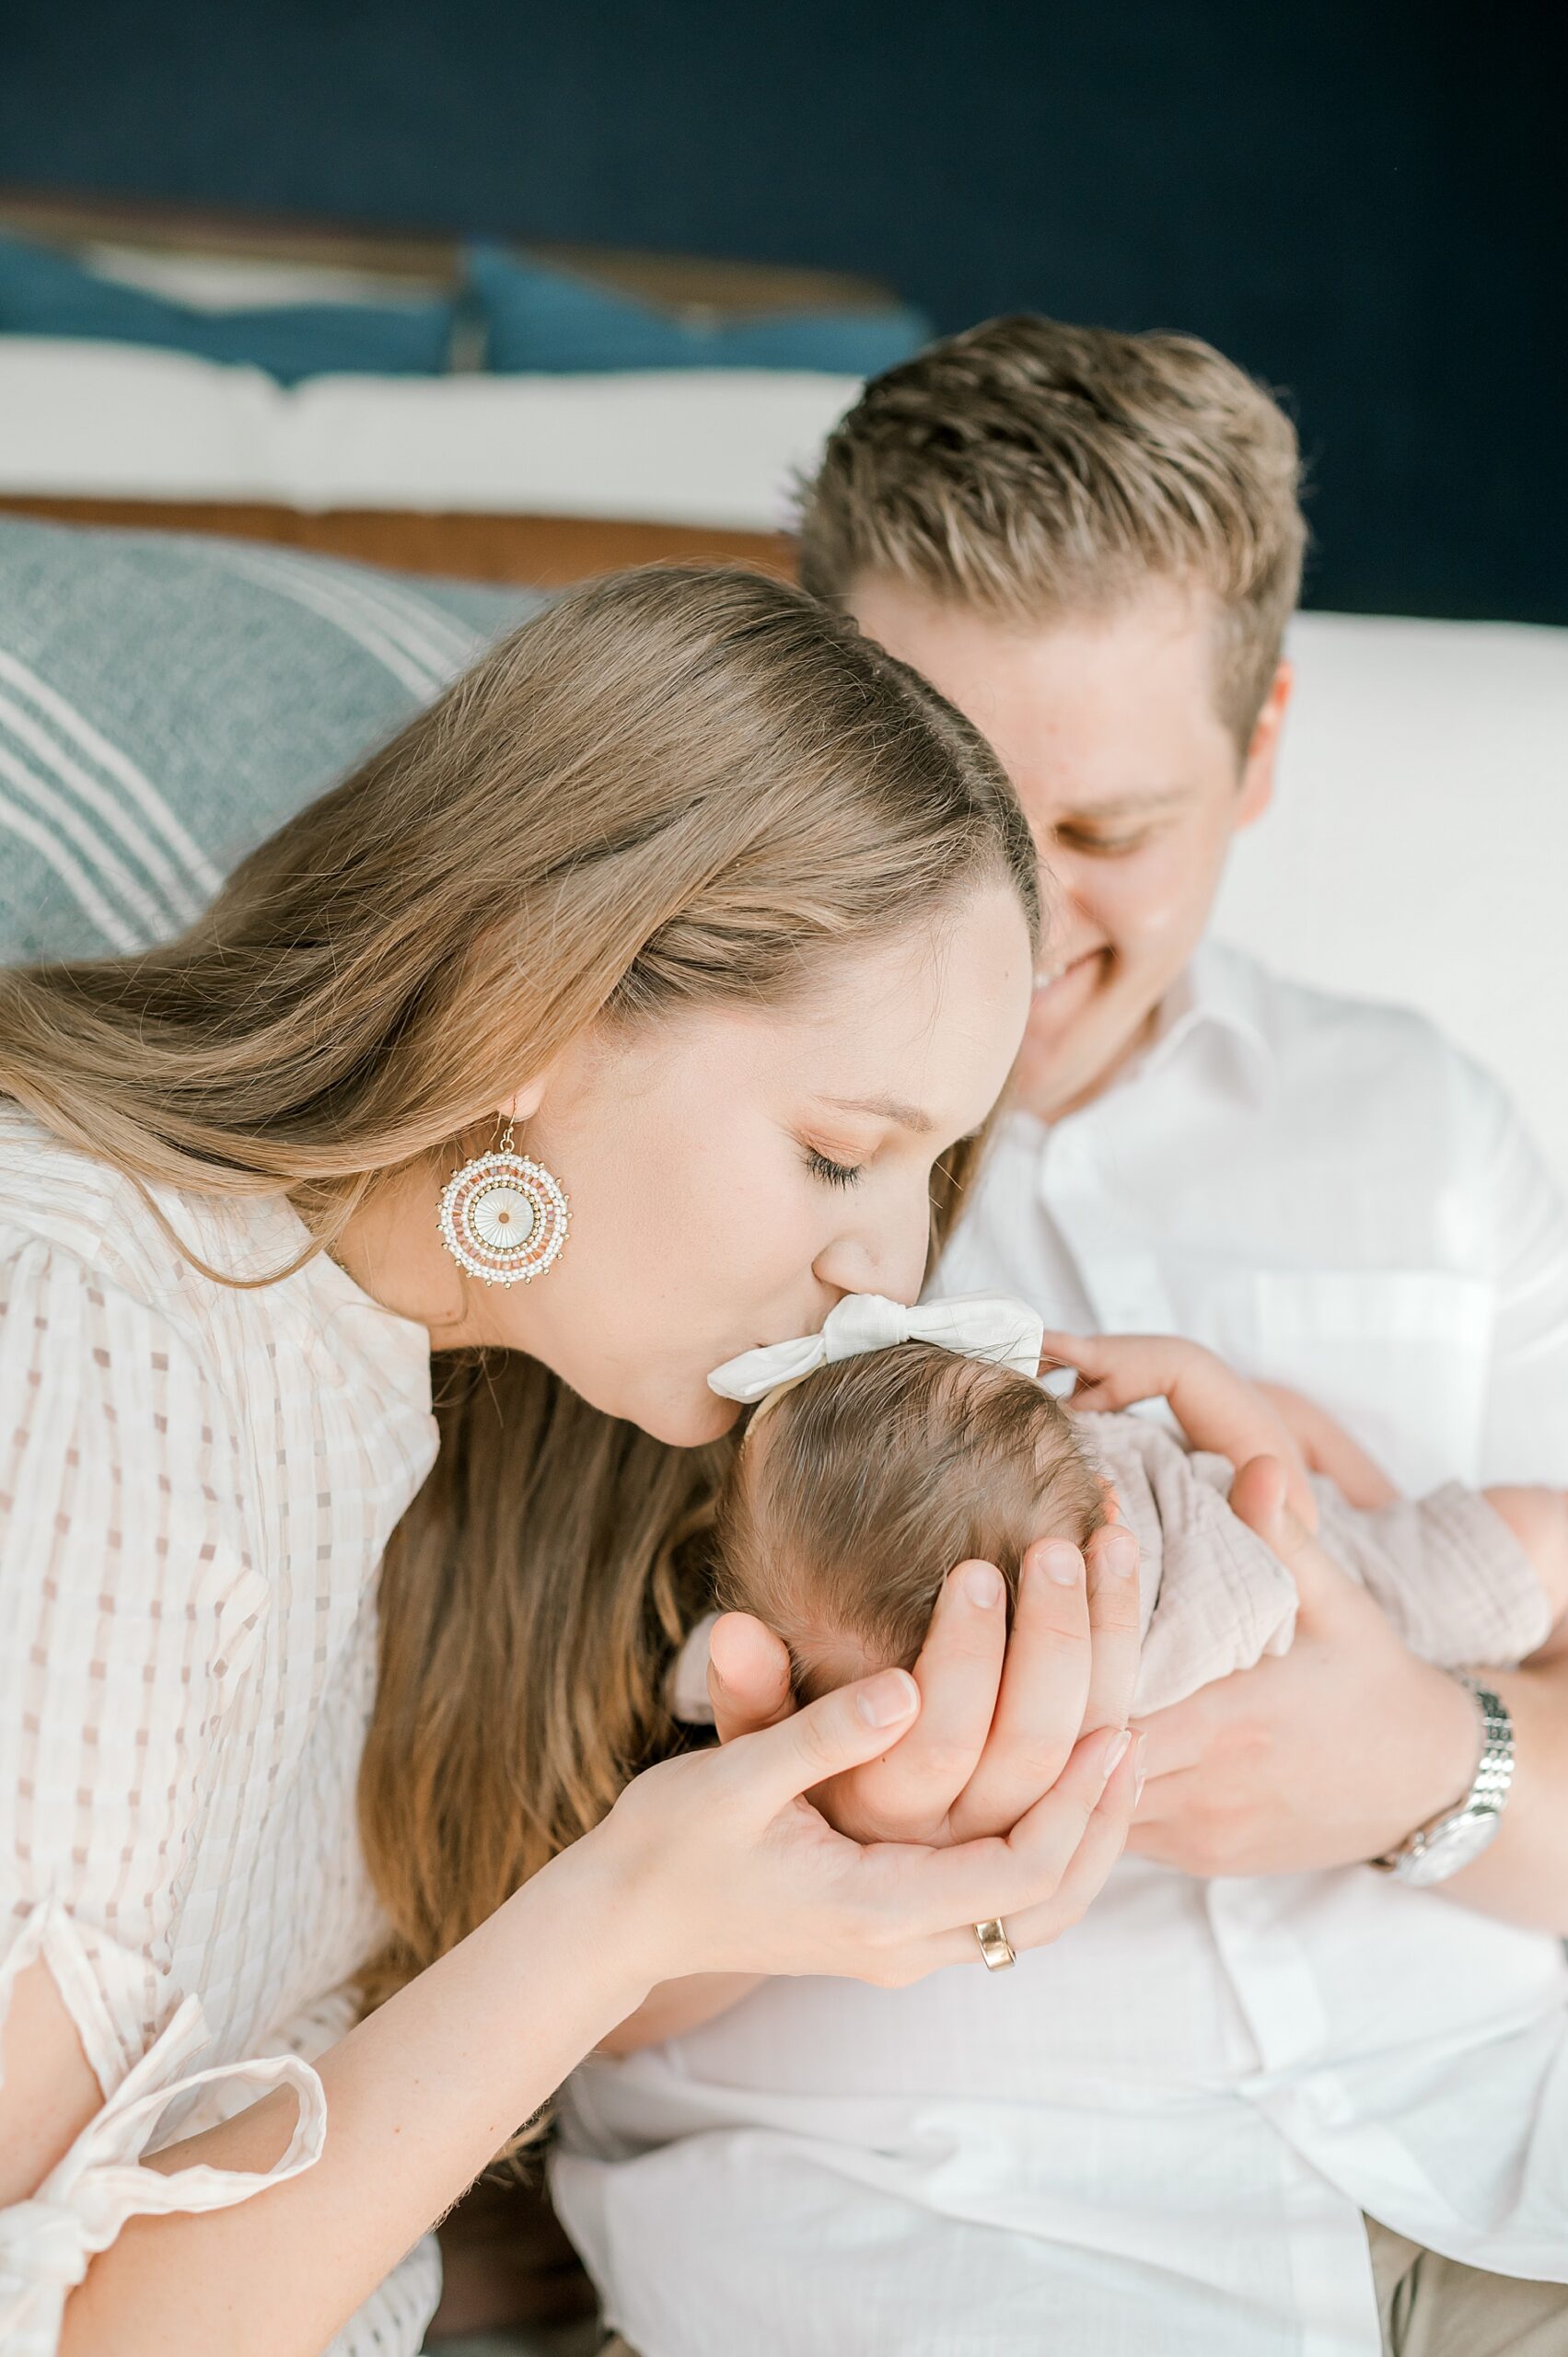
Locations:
{"points": [[676, 786]]}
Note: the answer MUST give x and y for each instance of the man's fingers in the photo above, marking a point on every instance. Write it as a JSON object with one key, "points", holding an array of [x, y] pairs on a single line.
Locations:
{"points": [[1162, 1824], [748, 1675], [1044, 1687], [1176, 1738]]}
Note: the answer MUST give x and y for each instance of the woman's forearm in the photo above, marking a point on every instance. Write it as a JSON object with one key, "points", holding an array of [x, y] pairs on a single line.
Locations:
{"points": [[419, 2097], [678, 2006]]}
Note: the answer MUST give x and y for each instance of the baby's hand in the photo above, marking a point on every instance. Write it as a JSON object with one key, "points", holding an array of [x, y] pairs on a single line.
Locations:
{"points": [[1115, 1371], [1216, 1408]]}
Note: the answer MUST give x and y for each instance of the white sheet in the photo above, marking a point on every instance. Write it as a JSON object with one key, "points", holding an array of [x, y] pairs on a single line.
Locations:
{"points": [[712, 446], [1418, 847]]}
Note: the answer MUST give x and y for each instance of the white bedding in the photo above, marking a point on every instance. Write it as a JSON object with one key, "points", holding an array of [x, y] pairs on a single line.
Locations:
{"points": [[110, 421], [1422, 835], [1419, 844]]}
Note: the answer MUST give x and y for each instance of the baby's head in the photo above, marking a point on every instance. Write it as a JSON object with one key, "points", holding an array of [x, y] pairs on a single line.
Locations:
{"points": [[862, 1486]]}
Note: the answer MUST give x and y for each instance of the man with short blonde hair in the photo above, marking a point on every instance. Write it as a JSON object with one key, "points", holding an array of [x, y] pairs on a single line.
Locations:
{"points": [[1028, 469], [1092, 543]]}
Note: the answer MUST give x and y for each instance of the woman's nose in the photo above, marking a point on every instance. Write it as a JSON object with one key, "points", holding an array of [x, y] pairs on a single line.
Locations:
{"points": [[889, 1259]]}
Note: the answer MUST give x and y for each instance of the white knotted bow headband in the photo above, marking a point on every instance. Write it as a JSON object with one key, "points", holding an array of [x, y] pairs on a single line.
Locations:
{"points": [[976, 1326]]}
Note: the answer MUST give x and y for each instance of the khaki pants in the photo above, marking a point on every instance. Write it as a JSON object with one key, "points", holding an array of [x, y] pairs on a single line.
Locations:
{"points": [[1433, 2307]]}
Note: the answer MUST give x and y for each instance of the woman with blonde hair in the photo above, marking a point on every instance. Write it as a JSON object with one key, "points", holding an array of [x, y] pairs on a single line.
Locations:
{"points": [[637, 1003]]}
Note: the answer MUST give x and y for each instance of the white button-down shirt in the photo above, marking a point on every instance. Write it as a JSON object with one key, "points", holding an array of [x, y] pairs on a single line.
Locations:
{"points": [[1161, 2134], [1327, 1193]]}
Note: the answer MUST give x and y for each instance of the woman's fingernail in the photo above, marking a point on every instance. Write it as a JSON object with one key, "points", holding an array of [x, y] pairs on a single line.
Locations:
{"points": [[882, 1702], [1062, 1563], [983, 1585], [1121, 1550], [1116, 1752]]}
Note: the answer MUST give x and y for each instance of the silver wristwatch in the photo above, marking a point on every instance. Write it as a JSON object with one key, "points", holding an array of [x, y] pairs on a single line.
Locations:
{"points": [[1436, 1850]]}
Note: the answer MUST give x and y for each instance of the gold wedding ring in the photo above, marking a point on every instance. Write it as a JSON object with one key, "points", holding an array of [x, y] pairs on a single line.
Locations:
{"points": [[994, 1945]]}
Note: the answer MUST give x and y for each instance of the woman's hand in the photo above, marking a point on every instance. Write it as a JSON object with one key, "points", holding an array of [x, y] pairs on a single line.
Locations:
{"points": [[1328, 1756], [719, 1863], [999, 1718]]}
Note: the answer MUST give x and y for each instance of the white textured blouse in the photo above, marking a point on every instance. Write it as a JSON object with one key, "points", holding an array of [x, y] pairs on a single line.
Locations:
{"points": [[196, 1486]]}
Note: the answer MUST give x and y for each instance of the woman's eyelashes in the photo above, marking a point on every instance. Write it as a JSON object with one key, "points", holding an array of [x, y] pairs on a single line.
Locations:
{"points": [[832, 1173]]}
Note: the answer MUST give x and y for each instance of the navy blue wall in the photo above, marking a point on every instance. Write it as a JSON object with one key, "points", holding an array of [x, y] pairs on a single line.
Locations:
{"points": [[1362, 200]]}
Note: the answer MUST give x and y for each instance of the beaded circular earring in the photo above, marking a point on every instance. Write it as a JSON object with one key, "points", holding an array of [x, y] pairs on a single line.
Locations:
{"points": [[504, 1217]]}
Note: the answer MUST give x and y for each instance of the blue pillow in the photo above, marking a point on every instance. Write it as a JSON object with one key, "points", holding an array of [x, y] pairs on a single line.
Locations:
{"points": [[46, 293], [549, 319]]}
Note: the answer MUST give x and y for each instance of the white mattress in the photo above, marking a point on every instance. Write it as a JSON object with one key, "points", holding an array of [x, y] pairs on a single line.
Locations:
{"points": [[1417, 849], [711, 445]]}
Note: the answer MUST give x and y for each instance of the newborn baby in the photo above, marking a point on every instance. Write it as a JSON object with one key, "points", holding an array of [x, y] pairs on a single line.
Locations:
{"points": [[1161, 2131], [863, 1482]]}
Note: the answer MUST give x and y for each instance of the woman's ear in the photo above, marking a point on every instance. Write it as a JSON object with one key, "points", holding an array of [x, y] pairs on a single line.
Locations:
{"points": [[1258, 770], [525, 1102]]}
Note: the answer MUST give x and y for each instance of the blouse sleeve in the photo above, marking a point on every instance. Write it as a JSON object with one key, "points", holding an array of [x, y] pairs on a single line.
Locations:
{"points": [[130, 1608]]}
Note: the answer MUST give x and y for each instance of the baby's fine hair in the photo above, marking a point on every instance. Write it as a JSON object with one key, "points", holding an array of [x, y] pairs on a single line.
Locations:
{"points": [[865, 1484]]}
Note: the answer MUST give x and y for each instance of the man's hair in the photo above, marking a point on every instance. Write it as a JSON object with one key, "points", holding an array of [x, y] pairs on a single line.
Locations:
{"points": [[1033, 470]]}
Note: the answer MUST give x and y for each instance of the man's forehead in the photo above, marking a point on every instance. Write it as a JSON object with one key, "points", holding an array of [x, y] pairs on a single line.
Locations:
{"points": [[1105, 710]]}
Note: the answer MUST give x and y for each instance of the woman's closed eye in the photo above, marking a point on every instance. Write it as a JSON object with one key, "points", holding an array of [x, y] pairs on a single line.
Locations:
{"points": [[832, 1173]]}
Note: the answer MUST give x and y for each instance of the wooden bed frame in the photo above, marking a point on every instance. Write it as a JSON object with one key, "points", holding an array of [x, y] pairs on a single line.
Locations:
{"points": [[547, 550], [544, 552]]}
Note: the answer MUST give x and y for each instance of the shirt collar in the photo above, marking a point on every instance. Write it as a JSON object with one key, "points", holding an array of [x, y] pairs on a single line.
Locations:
{"points": [[1215, 996]]}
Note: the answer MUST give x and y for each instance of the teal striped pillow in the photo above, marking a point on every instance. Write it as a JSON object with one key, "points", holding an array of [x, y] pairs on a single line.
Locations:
{"points": [[167, 701]]}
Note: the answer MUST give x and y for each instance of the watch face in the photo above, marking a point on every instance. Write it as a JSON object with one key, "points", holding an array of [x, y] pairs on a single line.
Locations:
{"points": [[1450, 1846]]}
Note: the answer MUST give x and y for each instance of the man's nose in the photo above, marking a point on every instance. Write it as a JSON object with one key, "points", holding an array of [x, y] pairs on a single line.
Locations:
{"points": [[1067, 897]]}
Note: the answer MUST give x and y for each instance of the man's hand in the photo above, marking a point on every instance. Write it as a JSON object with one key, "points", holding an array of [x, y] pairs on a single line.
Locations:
{"points": [[998, 1719], [1329, 1756]]}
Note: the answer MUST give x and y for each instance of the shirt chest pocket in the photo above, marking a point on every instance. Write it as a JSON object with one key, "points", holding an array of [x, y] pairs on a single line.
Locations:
{"points": [[1400, 1357]]}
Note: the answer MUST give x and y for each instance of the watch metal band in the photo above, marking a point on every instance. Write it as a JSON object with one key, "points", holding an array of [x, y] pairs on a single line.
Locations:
{"points": [[1496, 1774], [1449, 1842]]}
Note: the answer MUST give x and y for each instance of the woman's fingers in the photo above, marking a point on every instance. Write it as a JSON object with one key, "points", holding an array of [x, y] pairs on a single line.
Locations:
{"points": [[1115, 1624], [1105, 1838], [1045, 1685], [748, 1675], [907, 1795], [1026, 1872], [829, 1737]]}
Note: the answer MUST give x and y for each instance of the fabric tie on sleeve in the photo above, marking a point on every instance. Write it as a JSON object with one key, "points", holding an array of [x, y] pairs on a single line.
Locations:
{"points": [[48, 2242]]}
